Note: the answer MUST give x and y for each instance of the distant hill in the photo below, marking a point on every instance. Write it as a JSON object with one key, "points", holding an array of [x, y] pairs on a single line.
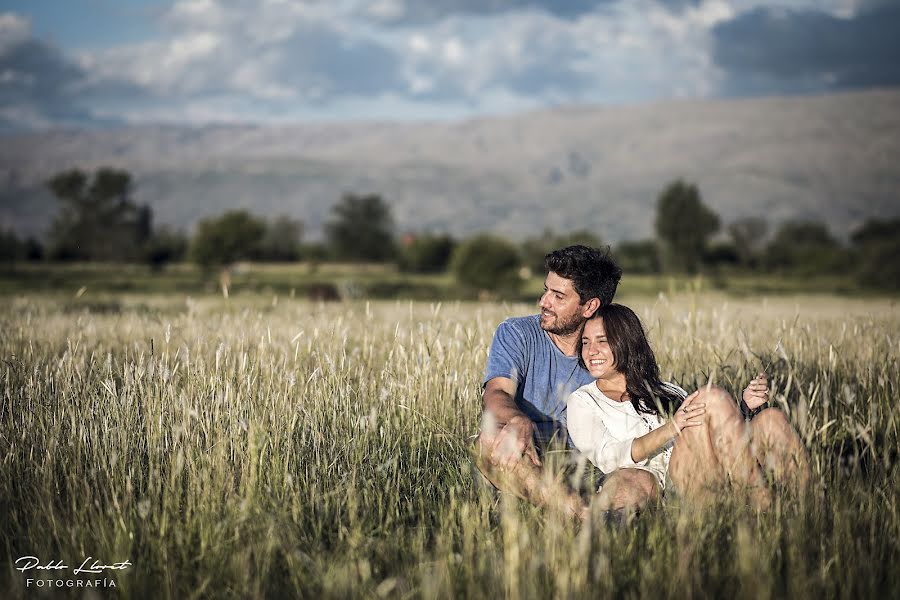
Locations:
{"points": [[834, 158]]}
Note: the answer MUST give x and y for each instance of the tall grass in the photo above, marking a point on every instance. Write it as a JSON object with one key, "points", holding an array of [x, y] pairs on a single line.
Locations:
{"points": [[256, 448]]}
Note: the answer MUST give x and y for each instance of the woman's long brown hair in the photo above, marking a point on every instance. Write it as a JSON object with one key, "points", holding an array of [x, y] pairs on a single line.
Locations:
{"points": [[634, 358]]}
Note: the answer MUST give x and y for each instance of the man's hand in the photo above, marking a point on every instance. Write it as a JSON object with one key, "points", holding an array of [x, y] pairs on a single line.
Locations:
{"points": [[757, 392], [514, 440]]}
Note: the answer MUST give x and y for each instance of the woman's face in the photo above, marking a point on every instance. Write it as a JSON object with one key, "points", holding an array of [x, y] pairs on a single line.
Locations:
{"points": [[595, 350]]}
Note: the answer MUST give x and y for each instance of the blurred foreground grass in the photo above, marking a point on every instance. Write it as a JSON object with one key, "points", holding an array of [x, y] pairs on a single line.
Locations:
{"points": [[259, 448]]}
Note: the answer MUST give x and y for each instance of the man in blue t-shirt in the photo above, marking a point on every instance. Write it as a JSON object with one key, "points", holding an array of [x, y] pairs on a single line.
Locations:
{"points": [[532, 368]]}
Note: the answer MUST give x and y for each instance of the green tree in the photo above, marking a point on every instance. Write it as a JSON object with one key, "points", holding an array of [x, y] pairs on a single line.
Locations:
{"points": [[684, 225], [638, 257], [534, 249], [12, 249], [223, 240], [164, 246], [98, 219], [361, 229], [426, 253], [721, 253], [804, 248], [876, 245], [749, 236], [281, 240], [487, 262]]}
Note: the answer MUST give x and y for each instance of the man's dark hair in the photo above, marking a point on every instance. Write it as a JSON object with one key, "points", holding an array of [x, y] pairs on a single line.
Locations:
{"points": [[593, 272]]}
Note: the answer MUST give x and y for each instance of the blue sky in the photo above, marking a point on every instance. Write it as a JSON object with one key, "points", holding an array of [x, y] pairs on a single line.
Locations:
{"points": [[95, 62]]}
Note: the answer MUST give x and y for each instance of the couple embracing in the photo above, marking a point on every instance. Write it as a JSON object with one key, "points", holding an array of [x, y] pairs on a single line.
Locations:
{"points": [[581, 376]]}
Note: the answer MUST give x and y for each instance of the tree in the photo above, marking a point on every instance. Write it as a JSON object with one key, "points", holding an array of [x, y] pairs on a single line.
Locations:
{"points": [[876, 246], [804, 248], [487, 262], [748, 235], [534, 249], [638, 257], [223, 240], [12, 249], [684, 225], [97, 220], [361, 229], [164, 246], [426, 253], [281, 240], [721, 252]]}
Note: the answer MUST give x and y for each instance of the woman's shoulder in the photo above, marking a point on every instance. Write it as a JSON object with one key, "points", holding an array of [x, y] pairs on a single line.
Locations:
{"points": [[584, 393], [589, 395]]}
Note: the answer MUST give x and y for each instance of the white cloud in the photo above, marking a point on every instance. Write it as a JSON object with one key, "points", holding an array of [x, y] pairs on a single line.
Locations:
{"points": [[14, 29], [419, 43], [259, 58], [453, 52], [386, 10]]}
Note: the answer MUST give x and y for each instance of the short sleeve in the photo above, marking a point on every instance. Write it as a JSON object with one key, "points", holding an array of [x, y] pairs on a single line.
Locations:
{"points": [[506, 357], [591, 437]]}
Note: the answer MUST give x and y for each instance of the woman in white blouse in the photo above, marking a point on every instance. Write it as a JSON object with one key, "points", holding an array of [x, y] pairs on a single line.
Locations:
{"points": [[626, 423]]}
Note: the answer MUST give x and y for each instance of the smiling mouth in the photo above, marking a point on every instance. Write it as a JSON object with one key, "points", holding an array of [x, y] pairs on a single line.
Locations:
{"points": [[545, 313], [597, 362]]}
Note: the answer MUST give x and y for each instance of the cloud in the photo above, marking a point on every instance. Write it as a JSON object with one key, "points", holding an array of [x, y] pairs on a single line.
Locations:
{"points": [[265, 60], [420, 12], [274, 51], [39, 85], [409, 12], [534, 56], [776, 50]]}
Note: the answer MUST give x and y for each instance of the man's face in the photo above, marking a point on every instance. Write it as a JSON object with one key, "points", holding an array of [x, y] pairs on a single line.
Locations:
{"points": [[561, 308]]}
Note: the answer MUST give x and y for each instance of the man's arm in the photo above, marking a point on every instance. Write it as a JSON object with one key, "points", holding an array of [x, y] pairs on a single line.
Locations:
{"points": [[506, 440], [514, 430]]}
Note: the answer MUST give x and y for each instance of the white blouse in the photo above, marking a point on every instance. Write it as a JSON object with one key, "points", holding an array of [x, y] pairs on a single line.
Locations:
{"points": [[604, 429]]}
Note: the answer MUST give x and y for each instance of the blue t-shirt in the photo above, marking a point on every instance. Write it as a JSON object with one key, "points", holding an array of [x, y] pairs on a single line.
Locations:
{"points": [[544, 376]]}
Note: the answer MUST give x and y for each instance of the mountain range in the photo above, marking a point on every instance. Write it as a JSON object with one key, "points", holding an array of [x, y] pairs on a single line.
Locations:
{"points": [[830, 158]]}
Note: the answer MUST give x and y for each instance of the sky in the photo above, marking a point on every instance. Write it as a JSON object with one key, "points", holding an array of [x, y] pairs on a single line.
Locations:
{"points": [[100, 62]]}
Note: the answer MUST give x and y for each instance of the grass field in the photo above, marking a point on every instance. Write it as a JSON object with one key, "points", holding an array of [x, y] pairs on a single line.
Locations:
{"points": [[263, 446]]}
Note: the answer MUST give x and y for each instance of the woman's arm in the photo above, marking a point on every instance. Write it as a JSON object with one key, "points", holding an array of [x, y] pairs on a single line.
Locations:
{"points": [[592, 438], [688, 414]]}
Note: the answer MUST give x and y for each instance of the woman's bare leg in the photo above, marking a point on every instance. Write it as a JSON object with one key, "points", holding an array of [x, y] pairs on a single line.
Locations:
{"points": [[779, 450], [718, 451], [693, 468], [627, 489]]}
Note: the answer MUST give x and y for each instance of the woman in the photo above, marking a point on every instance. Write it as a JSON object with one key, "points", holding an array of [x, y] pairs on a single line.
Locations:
{"points": [[626, 423]]}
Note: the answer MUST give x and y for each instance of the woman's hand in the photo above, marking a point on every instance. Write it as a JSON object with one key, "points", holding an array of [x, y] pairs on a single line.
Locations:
{"points": [[757, 392], [689, 414]]}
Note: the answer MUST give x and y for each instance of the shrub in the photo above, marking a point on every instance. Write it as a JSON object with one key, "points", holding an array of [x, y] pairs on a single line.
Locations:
{"points": [[487, 262]]}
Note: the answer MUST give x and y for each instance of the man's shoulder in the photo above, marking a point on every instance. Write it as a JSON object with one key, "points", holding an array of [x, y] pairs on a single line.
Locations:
{"points": [[528, 326], [526, 322]]}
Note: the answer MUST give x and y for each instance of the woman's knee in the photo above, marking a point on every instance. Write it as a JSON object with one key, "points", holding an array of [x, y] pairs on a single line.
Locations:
{"points": [[719, 403], [633, 484], [770, 419], [772, 426]]}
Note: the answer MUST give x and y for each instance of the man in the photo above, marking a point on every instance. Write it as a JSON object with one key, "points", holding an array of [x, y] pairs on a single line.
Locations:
{"points": [[532, 368]]}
